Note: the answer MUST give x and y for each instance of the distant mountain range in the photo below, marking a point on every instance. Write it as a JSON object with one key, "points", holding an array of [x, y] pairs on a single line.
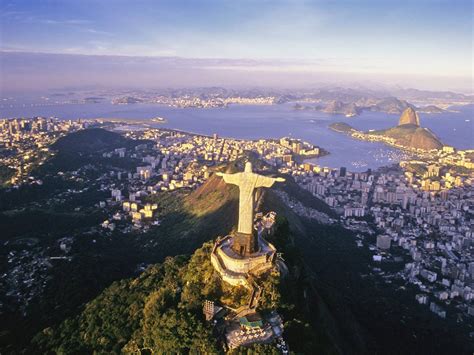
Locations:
{"points": [[352, 108], [329, 99]]}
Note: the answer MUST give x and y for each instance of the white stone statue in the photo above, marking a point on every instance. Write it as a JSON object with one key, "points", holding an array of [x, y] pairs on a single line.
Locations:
{"points": [[247, 182]]}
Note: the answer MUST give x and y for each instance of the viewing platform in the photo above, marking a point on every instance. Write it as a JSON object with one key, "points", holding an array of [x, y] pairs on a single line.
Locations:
{"points": [[235, 268]]}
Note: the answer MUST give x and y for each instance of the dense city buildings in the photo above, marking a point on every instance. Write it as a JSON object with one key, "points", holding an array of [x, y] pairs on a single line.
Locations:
{"points": [[420, 214], [24, 143]]}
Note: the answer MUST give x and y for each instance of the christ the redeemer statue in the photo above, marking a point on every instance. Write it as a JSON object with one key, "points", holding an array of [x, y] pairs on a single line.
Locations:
{"points": [[247, 182]]}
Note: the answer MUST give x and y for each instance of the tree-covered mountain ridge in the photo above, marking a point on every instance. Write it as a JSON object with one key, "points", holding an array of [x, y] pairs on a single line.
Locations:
{"points": [[160, 311]]}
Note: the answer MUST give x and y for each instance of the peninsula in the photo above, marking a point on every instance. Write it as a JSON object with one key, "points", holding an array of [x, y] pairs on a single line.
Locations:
{"points": [[408, 134]]}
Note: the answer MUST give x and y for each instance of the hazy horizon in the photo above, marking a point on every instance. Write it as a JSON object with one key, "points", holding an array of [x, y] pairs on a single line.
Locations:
{"points": [[39, 72]]}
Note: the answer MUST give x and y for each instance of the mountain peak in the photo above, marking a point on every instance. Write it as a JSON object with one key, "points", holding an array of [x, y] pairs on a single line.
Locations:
{"points": [[409, 116]]}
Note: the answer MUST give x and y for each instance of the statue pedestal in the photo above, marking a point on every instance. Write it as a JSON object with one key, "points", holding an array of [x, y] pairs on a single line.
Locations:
{"points": [[235, 268], [244, 244]]}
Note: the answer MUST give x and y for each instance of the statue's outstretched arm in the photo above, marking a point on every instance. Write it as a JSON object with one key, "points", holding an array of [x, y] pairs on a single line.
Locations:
{"points": [[265, 181], [230, 178]]}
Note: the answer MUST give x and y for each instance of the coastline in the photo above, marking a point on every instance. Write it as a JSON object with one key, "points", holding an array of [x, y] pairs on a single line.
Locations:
{"points": [[300, 159]]}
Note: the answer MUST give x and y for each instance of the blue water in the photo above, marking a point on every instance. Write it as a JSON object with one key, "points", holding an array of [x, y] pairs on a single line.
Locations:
{"points": [[274, 121]]}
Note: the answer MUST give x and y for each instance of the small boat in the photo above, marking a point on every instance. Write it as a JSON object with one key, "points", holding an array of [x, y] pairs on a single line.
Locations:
{"points": [[158, 119]]}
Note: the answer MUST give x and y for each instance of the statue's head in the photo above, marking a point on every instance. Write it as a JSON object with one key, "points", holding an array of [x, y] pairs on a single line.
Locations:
{"points": [[248, 167]]}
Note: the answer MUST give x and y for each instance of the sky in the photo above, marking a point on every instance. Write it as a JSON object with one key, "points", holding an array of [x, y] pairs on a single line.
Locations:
{"points": [[427, 42]]}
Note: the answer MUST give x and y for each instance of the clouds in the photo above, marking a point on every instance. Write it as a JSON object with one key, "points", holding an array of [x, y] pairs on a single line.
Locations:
{"points": [[66, 22], [28, 17]]}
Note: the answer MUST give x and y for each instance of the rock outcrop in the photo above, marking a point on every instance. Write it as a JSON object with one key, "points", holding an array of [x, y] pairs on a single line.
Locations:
{"points": [[339, 107], [411, 136], [423, 138], [409, 116]]}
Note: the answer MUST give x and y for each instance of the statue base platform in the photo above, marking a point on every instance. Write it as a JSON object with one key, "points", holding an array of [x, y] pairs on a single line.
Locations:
{"points": [[235, 268]]}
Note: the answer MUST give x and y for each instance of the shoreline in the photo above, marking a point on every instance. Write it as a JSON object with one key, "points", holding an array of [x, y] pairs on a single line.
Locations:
{"points": [[300, 159]]}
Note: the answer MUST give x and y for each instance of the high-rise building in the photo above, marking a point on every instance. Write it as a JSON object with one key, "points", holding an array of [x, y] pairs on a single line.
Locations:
{"points": [[342, 171]]}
